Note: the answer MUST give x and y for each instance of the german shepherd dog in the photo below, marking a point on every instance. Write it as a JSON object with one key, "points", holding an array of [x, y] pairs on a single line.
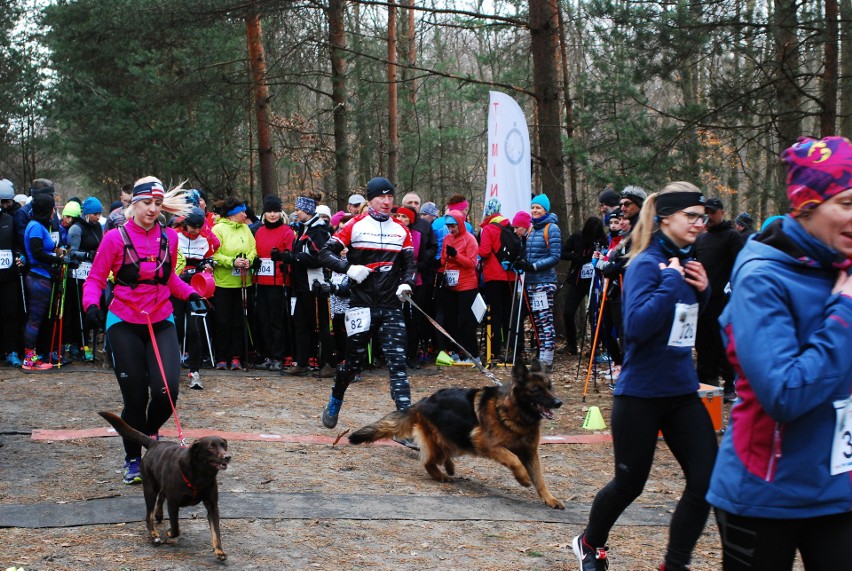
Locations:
{"points": [[180, 476], [501, 423]]}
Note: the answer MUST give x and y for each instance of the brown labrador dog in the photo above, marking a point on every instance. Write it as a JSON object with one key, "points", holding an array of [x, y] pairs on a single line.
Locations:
{"points": [[180, 476]]}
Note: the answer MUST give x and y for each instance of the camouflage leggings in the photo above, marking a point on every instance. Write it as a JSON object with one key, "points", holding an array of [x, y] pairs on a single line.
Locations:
{"points": [[388, 328]]}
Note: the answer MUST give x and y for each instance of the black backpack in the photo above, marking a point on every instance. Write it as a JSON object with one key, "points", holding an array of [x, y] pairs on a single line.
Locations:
{"points": [[511, 248]]}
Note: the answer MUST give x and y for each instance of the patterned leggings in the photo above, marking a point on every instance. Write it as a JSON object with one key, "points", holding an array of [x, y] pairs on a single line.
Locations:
{"points": [[386, 327], [543, 321]]}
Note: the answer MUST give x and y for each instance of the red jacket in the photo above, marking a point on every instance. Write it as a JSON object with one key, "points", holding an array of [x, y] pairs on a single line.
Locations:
{"points": [[489, 242], [280, 237], [465, 260]]}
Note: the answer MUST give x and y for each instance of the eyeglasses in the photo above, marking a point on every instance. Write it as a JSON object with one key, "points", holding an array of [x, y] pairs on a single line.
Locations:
{"points": [[625, 203], [695, 217]]}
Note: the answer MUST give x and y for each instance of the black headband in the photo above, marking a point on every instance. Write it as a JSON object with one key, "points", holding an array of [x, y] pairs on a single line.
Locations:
{"points": [[670, 202]]}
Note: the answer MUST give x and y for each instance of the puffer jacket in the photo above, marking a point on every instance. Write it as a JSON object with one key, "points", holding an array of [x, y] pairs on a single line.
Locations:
{"points": [[235, 239], [544, 254], [788, 337], [489, 243]]}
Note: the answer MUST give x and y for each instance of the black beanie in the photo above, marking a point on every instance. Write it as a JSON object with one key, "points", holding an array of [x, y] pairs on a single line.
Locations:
{"points": [[379, 186], [272, 203], [43, 205]]}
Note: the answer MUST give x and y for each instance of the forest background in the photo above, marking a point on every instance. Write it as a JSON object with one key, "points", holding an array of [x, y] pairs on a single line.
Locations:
{"points": [[253, 97]]}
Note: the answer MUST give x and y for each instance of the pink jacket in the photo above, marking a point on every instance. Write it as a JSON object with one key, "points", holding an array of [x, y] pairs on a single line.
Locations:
{"points": [[130, 303], [465, 261]]}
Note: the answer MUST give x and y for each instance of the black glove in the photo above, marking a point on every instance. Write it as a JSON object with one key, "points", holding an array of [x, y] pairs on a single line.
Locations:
{"points": [[523, 266], [316, 288], [451, 252], [325, 287], [275, 255], [70, 262], [286, 257], [196, 297], [255, 265], [92, 318], [333, 289]]}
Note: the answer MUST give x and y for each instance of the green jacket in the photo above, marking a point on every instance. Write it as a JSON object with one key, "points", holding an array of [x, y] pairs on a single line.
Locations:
{"points": [[235, 239]]}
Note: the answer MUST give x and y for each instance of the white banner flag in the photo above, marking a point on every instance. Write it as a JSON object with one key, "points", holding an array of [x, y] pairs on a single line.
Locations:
{"points": [[509, 178]]}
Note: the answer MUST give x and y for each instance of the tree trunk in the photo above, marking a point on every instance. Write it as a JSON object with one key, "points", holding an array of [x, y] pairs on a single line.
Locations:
{"points": [[846, 68], [828, 114], [785, 27], [337, 41], [254, 38], [543, 34], [393, 112], [575, 210]]}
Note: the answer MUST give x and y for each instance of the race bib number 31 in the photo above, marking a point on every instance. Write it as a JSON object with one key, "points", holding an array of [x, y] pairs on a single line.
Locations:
{"points": [[684, 325], [357, 320], [538, 301]]}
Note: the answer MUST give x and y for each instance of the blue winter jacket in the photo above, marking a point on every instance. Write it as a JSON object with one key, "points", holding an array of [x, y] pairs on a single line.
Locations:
{"points": [[652, 367], [789, 339], [544, 255]]}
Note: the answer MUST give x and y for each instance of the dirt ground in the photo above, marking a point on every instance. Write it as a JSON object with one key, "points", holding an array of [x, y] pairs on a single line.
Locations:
{"points": [[56, 472]]}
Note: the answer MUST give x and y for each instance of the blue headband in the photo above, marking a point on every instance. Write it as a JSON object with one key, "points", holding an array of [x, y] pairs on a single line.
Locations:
{"points": [[236, 210]]}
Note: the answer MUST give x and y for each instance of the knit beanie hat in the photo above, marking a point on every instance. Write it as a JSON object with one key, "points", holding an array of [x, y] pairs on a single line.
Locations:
{"points": [[195, 218], [43, 204], [492, 207], [7, 189], [816, 171], [72, 209], [608, 197], [745, 219], [323, 210], [430, 209], [272, 203], [522, 220], [635, 194], [92, 206], [306, 205], [379, 186], [542, 201]]}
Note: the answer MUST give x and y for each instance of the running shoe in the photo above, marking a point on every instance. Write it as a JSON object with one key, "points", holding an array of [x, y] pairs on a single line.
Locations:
{"points": [[33, 362], [236, 365], [591, 558], [13, 360], [132, 474], [330, 412], [221, 366], [195, 381]]}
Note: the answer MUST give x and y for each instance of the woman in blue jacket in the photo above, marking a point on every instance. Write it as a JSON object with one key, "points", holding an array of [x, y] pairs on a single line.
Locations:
{"points": [[664, 291], [544, 249], [783, 479]]}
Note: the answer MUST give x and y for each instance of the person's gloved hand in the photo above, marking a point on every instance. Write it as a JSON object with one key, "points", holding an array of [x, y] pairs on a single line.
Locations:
{"points": [[92, 319], [325, 287], [72, 263], [255, 264], [195, 297], [523, 266], [506, 265], [275, 255], [451, 252], [316, 288], [358, 273], [403, 292]]}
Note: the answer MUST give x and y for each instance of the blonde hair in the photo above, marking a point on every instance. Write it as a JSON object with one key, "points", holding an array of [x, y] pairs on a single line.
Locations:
{"points": [[640, 236], [174, 200]]}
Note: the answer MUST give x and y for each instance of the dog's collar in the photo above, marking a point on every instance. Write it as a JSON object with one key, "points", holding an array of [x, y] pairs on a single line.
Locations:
{"points": [[189, 484]]}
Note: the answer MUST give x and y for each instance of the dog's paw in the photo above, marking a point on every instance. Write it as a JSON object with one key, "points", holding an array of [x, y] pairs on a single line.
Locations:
{"points": [[172, 533], [220, 555], [524, 481], [554, 503]]}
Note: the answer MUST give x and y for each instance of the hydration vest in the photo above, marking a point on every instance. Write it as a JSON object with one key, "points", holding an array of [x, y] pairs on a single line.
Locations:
{"points": [[128, 273]]}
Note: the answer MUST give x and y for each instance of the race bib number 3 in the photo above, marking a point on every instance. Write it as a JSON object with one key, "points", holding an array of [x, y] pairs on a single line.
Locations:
{"points": [[841, 447], [357, 320], [538, 301], [5, 259], [684, 325]]}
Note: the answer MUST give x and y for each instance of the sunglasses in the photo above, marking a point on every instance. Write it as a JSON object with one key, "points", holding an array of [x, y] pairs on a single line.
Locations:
{"points": [[625, 203]]}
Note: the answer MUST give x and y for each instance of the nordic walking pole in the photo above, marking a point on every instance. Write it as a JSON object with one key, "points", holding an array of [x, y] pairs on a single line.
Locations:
{"points": [[80, 308], [595, 341], [585, 320], [511, 314], [517, 329], [62, 287], [23, 288], [243, 276]]}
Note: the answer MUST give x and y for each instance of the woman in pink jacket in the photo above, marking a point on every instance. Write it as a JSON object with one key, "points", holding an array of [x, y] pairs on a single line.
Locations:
{"points": [[141, 256], [458, 257]]}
